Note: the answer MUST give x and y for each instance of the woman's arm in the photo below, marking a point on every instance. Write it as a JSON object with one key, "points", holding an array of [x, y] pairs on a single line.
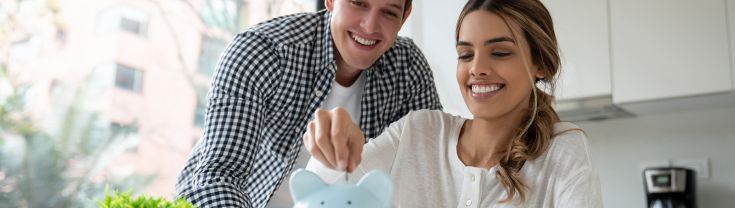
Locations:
{"points": [[581, 190]]}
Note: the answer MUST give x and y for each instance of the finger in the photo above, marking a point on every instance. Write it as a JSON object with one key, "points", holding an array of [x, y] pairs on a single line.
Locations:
{"points": [[308, 135], [322, 136], [312, 148], [356, 144], [340, 130]]}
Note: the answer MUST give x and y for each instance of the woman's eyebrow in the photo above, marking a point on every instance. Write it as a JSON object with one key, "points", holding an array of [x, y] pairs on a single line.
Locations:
{"points": [[488, 42]]}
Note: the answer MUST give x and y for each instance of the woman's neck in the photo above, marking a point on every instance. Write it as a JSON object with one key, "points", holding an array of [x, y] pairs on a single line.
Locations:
{"points": [[482, 142]]}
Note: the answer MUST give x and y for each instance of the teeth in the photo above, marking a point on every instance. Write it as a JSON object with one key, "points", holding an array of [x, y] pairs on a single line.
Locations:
{"points": [[363, 40], [485, 88]]}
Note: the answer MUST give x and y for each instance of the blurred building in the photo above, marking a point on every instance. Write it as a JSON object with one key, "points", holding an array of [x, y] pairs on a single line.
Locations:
{"points": [[143, 65]]}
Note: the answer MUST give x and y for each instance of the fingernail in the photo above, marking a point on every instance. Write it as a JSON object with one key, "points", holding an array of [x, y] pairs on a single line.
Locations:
{"points": [[341, 165]]}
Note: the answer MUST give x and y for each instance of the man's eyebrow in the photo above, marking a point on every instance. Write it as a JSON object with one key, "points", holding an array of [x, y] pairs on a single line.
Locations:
{"points": [[397, 6]]}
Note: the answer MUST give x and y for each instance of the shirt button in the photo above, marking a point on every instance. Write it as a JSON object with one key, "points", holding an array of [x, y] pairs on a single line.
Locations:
{"points": [[318, 93], [469, 202], [472, 178]]}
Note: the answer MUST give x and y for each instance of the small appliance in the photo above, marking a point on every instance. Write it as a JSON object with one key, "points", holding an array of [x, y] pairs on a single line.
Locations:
{"points": [[670, 187]]}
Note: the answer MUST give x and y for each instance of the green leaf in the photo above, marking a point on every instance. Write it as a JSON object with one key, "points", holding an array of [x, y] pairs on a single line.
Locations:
{"points": [[125, 200]]}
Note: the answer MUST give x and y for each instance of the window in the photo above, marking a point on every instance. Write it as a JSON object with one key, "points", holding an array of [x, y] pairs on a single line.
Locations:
{"points": [[26, 49], [132, 26], [125, 132], [201, 105], [123, 18], [199, 114], [223, 14], [128, 78], [209, 54]]}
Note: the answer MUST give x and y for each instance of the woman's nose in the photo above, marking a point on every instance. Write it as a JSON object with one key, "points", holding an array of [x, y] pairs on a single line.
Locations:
{"points": [[480, 69]]}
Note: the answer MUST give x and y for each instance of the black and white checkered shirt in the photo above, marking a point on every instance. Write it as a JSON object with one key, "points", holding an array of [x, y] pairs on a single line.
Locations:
{"points": [[269, 81]]}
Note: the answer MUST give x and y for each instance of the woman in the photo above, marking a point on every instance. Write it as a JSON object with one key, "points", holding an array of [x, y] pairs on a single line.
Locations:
{"points": [[514, 152]]}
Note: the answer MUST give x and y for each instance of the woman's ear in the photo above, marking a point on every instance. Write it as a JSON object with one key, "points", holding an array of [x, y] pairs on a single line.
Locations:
{"points": [[540, 74]]}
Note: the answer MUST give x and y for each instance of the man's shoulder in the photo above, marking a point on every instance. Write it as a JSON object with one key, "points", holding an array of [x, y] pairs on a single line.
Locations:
{"points": [[289, 29], [405, 45]]}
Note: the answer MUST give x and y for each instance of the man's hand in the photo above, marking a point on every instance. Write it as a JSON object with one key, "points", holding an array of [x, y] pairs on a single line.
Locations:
{"points": [[334, 140]]}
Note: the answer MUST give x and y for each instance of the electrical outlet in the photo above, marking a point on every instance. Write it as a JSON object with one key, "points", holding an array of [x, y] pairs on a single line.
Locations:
{"points": [[654, 164], [700, 165]]}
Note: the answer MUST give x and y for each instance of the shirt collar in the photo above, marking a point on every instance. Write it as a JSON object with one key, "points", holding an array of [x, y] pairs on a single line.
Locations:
{"points": [[327, 44]]}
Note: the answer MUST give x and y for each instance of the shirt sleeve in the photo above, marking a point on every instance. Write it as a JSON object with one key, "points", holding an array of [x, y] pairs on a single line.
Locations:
{"points": [[580, 185], [423, 94], [217, 172], [378, 154], [582, 190]]}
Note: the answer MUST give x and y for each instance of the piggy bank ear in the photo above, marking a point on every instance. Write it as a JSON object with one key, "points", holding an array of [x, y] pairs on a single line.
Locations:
{"points": [[378, 183], [304, 183]]}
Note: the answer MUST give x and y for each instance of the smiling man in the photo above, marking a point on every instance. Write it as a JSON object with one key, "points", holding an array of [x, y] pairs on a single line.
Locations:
{"points": [[274, 76]]}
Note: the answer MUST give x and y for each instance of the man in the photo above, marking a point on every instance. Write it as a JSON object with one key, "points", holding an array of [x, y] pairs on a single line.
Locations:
{"points": [[272, 77]]}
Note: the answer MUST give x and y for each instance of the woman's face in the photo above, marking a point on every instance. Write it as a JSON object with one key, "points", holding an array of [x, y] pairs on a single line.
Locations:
{"points": [[491, 72]]}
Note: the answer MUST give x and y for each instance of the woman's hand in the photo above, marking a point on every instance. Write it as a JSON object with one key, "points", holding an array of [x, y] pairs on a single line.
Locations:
{"points": [[334, 140]]}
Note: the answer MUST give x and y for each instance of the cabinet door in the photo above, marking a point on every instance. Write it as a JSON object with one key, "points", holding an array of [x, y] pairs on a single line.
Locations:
{"points": [[582, 32], [731, 20], [668, 48]]}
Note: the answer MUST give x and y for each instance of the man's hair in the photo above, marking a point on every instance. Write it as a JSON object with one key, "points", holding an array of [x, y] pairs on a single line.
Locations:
{"points": [[406, 5]]}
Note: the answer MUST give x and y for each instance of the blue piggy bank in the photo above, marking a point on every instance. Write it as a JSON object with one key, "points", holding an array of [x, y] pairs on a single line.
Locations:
{"points": [[309, 191]]}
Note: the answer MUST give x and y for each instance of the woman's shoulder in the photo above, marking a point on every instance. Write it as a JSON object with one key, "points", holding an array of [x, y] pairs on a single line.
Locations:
{"points": [[432, 117], [569, 149], [569, 136]]}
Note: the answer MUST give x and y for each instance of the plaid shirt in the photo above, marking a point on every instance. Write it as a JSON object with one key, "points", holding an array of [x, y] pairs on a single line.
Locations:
{"points": [[267, 84]]}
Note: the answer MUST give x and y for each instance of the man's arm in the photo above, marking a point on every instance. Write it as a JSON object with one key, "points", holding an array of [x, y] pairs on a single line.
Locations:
{"points": [[217, 172], [423, 94]]}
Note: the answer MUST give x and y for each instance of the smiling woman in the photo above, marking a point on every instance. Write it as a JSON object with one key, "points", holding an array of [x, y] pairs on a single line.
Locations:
{"points": [[514, 152]]}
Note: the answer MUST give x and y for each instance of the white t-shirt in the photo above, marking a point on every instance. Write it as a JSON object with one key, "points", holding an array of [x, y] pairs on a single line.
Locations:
{"points": [[348, 98], [420, 154]]}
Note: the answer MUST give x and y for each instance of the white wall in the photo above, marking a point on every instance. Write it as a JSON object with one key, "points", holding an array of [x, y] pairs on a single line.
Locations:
{"points": [[432, 25], [620, 146]]}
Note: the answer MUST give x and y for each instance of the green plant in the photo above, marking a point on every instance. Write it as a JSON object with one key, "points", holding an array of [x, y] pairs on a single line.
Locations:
{"points": [[41, 167], [125, 200]]}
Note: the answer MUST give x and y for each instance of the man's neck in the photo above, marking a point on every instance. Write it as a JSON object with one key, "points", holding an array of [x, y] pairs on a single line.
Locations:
{"points": [[346, 75]]}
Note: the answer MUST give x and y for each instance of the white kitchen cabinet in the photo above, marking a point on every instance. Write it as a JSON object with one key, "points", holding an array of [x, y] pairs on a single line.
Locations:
{"points": [[582, 33], [664, 49], [731, 20]]}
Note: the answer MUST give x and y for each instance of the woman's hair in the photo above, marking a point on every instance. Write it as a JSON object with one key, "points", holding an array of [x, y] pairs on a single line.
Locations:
{"points": [[534, 138]]}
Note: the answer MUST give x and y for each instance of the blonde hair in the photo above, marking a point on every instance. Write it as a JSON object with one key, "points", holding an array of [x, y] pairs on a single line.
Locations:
{"points": [[534, 138]]}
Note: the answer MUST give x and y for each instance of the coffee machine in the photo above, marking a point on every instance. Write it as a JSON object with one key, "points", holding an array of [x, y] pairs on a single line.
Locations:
{"points": [[670, 187]]}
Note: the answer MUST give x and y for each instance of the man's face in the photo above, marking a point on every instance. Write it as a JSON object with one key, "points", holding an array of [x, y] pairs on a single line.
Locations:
{"points": [[362, 30]]}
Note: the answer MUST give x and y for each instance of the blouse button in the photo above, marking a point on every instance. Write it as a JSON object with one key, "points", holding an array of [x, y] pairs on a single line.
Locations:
{"points": [[472, 178], [469, 202]]}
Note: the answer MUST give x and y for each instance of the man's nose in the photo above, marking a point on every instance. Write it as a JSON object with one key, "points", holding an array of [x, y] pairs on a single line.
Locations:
{"points": [[370, 22]]}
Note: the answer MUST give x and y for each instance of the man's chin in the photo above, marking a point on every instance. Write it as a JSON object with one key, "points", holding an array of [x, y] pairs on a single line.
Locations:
{"points": [[361, 64]]}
